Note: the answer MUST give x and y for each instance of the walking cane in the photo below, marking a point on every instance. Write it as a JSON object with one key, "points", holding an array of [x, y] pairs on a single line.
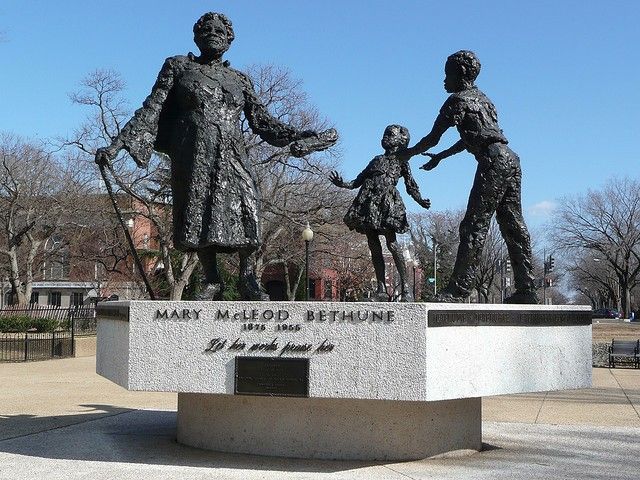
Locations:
{"points": [[136, 258]]}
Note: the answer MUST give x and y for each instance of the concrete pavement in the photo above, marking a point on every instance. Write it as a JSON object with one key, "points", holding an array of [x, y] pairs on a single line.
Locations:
{"points": [[614, 400], [59, 420]]}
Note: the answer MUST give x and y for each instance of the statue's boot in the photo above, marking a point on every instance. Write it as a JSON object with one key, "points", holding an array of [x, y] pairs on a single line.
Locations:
{"points": [[250, 289], [406, 296], [380, 295], [448, 295], [211, 291], [523, 297]]}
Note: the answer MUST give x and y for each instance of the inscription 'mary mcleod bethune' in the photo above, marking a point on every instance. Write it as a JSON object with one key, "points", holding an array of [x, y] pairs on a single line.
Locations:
{"points": [[266, 315]]}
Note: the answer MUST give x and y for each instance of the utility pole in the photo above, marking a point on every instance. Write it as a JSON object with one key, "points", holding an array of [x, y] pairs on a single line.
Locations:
{"points": [[544, 277], [549, 265], [501, 266]]}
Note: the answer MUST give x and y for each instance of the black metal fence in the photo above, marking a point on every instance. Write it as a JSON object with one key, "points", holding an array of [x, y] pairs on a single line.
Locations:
{"points": [[83, 321], [22, 347], [31, 345]]}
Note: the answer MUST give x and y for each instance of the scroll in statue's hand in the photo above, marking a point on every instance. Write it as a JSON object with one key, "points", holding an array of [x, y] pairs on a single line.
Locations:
{"points": [[313, 142]]}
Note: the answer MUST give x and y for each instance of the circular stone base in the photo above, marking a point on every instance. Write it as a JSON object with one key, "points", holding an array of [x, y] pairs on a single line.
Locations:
{"points": [[328, 428]]}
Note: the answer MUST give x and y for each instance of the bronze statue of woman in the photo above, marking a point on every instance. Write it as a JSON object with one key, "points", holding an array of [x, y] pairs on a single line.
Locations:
{"points": [[193, 115]]}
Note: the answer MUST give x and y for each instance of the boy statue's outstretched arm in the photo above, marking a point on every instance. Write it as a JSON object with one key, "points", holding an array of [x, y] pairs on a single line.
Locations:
{"points": [[457, 147], [440, 126]]}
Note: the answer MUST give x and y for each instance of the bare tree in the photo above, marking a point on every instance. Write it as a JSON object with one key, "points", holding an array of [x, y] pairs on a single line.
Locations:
{"points": [[435, 238], [439, 230], [294, 190], [595, 280], [348, 254], [145, 190], [488, 274], [604, 225], [38, 202]]}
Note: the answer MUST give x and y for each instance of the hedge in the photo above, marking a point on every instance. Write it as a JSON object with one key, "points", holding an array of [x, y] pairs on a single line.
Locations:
{"points": [[23, 323]]}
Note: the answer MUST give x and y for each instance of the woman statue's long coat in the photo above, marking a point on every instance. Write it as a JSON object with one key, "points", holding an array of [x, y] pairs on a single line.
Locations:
{"points": [[193, 116]]}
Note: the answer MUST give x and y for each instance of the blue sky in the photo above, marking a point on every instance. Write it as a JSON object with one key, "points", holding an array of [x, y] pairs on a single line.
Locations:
{"points": [[563, 74]]}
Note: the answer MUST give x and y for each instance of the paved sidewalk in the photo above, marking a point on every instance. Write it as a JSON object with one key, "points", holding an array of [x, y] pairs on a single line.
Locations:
{"points": [[37, 396], [59, 420], [614, 400]]}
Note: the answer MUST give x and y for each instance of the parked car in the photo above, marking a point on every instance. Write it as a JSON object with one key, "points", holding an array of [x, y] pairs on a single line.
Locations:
{"points": [[605, 313]]}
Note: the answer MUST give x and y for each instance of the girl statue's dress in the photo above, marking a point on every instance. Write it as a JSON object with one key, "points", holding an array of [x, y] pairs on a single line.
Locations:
{"points": [[378, 206]]}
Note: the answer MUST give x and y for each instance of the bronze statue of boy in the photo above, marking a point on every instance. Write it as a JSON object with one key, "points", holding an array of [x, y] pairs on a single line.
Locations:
{"points": [[496, 187]]}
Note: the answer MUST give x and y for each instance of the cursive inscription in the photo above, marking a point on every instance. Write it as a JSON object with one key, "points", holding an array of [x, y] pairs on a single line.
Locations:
{"points": [[295, 348], [218, 344], [215, 345], [324, 347], [272, 346]]}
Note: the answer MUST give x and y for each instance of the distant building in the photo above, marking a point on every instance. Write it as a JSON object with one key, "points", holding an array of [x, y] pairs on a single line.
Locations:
{"points": [[66, 280], [323, 283]]}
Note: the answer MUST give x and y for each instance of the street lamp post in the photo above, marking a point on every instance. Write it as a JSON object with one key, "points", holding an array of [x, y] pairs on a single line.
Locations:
{"points": [[307, 236], [408, 261], [435, 266], [415, 266]]}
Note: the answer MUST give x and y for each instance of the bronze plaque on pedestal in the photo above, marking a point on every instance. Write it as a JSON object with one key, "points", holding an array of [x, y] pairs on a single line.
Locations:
{"points": [[272, 376]]}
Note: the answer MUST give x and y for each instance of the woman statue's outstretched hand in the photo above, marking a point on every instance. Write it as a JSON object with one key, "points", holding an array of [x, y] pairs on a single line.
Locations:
{"points": [[336, 179], [313, 142], [425, 203]]}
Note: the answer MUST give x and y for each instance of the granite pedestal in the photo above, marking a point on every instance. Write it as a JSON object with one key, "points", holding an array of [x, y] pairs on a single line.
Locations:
{"points": [[381, 381]]}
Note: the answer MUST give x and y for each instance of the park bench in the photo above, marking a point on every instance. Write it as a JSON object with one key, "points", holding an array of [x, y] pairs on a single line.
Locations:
{"points": [[624, 349]]}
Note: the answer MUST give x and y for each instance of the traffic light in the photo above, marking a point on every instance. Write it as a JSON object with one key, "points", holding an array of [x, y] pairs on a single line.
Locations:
{"points": [[552, 263], [507, 266]]}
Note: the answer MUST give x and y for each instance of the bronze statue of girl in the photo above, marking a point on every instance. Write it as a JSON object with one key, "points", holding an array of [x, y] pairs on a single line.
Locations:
{"points": [[379, 210]]}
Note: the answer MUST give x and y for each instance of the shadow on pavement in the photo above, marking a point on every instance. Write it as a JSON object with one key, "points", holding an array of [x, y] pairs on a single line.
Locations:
{"points": [[147, 437], [137, 437], [12, 426], [603, 396]]}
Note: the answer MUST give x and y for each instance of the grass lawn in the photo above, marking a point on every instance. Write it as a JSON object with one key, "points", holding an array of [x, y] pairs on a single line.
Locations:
{"points": [[604, 332]]}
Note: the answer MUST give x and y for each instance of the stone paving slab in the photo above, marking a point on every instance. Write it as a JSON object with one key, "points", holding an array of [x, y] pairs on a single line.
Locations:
{"points": [[140, 445], [523, 408], [614, 400]]}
